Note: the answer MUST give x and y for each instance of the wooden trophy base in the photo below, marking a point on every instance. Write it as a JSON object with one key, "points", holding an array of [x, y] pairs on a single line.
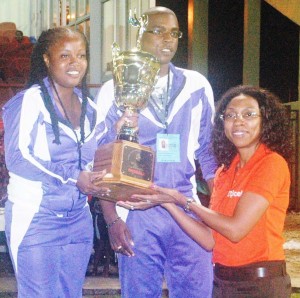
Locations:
{"points": [[129, 168]]}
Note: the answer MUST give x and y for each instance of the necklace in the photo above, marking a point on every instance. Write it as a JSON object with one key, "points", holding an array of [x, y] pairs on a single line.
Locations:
{"points": [[63, 107], [160, 102], [78, 142]]}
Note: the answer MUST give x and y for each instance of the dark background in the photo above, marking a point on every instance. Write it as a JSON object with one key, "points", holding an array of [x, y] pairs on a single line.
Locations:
{"points": [[279, 52]]}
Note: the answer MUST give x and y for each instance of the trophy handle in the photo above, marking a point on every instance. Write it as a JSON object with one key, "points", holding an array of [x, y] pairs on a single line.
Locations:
{"points": [[115, 50]]}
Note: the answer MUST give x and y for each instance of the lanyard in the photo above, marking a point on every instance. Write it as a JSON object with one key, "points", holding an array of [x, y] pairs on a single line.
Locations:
{"points": [[161, 109], [78, 142]]}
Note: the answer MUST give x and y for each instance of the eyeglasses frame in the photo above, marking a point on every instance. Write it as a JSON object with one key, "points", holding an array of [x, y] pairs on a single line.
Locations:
{"points": [[254, 115], [180, 34]]}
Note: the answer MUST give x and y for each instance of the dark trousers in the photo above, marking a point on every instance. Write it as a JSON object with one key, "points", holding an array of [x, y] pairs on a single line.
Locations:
{"points": [[260, 280]]}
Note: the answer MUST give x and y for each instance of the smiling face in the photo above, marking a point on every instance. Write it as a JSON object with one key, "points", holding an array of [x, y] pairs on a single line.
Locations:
{"points": [[243, 133], [162, 46], [66, 60]]}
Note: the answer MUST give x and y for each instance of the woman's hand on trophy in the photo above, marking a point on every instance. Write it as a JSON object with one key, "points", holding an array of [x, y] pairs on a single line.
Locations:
{"points": [[85, 182], [129, 118], [141, 205], [163, 195]]}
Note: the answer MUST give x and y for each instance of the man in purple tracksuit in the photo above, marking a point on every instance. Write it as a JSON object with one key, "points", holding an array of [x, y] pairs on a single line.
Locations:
{"points": [[177, 125]]}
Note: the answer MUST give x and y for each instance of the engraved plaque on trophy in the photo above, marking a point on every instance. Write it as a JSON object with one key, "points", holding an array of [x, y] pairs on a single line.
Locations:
{"points": [[129, 165]]}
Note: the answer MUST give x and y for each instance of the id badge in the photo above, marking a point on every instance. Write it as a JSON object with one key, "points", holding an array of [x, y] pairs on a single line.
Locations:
{"points": [[168, 148]]}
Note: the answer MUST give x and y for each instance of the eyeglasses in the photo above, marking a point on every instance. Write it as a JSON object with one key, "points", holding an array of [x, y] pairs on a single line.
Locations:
{"points": [[162, 31], [248, 116]]}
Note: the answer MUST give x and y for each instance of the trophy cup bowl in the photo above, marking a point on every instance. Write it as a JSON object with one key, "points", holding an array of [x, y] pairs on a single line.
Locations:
{"points": [[134, 78], [135, 74], [129, 165]]}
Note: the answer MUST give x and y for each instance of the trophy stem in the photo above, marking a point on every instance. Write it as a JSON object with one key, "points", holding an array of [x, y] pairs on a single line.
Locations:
{"points": [[128, 132]]}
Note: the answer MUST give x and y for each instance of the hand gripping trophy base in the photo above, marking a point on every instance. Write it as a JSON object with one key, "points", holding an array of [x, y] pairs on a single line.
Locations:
{"points": [[129, 167]]}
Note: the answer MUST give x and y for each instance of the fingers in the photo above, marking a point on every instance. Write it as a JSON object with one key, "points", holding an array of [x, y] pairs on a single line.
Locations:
{"points": [[93, 189], [127, 251], [119, 248], [148, 199], [130, 113], [163, 190], [97, 175], [132, 206], [88, 183], [128, 205], [160, 189], [156, 199], [129, 118], [143, 198], [167, 191], [120, 239], [127, 244]]}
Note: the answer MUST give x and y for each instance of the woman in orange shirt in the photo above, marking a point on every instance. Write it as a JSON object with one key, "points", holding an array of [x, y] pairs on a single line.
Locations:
{"points": [[252, 143]]}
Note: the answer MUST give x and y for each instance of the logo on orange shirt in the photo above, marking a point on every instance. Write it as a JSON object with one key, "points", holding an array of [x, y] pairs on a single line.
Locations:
{"points": [[234, 194]]}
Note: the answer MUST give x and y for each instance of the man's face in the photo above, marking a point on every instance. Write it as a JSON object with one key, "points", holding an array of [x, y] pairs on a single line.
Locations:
{"points": [[162, 45]]}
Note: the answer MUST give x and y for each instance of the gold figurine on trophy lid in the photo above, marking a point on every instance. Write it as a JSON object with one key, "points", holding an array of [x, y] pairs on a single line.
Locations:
{"points": [[129, 165]]}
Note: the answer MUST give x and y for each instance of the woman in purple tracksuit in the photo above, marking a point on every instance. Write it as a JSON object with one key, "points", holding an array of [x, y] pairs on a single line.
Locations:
{"points": [[52, 130]]}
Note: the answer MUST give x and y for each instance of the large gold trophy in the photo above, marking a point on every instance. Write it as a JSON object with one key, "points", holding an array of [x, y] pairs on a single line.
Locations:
{"points": [[129, 165]]}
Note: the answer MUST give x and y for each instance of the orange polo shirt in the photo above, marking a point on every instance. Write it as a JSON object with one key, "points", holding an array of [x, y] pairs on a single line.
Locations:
{"points": [[266, 174]]}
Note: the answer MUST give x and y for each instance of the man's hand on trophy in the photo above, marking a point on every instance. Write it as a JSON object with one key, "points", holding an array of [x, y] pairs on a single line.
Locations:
{"points": [[85, 182], [129, 118], [120, 237]]}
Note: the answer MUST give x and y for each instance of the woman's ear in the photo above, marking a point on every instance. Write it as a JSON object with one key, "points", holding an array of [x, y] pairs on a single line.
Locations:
{"points": [[46, 60]]}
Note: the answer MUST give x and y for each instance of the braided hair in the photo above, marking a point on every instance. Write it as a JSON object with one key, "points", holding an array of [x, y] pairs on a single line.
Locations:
{"points": [[39, 70]]}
